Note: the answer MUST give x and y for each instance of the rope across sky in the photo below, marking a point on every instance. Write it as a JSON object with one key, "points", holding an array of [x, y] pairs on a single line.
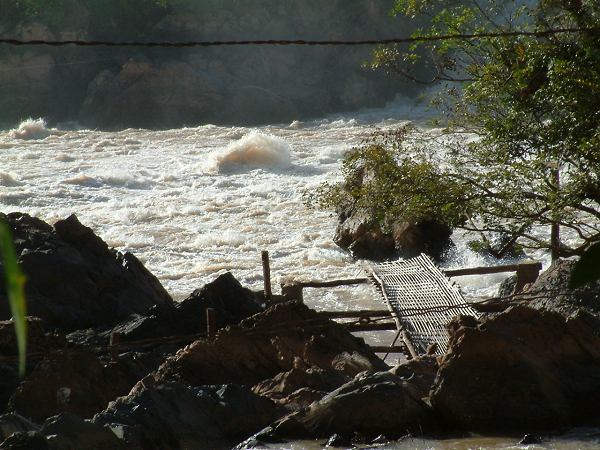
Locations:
{"points": [[407, 40]]}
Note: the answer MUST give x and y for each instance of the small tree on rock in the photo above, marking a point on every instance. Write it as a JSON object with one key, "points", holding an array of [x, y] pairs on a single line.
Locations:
{"points": [[519, 153]]}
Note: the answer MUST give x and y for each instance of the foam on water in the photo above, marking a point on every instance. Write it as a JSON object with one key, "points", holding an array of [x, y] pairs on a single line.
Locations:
{"points": [[32, 129], [192, 203], [255, 149]]}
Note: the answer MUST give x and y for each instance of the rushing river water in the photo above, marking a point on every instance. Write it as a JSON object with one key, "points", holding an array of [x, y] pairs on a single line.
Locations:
{"points": [[192, 203]]}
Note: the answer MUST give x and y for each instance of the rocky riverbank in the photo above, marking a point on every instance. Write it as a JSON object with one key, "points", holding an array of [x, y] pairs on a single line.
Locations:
{"points": [[271, 372]]}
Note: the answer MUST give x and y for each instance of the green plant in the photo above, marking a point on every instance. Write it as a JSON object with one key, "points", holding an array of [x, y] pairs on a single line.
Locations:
{"points": [[15, 282]]}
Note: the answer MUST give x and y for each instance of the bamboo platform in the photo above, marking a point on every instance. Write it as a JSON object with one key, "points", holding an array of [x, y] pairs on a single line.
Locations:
{"points": [[422, 301], [420, 297]]}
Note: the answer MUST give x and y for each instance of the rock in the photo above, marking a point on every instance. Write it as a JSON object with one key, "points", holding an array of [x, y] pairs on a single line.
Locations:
{"points": [[507, 287], [232, 303], [427, 236], [9, 380], [260, 347], [366, 240], [285, 383], [550, 291], [14, 423], [25, 440], [37, 339], [363, 238], [174, 415], [337, 440], [74, 280], [70, 432], [297, 388], [71, 381], [420, 372], [530, 439], [370, 404], [519, 370]]}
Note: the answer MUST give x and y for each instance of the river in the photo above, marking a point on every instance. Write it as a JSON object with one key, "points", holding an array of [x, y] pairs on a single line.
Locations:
{"points": [[193, 203]]}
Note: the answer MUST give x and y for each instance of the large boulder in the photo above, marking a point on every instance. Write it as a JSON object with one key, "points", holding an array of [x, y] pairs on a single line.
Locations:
{"points": [[551, 291], [299, 387], [69, 381], [282, 337], [365, 238], [38, 342], [74, 280], [523, 368], [174, 415], [370, 404], [230, 301]]}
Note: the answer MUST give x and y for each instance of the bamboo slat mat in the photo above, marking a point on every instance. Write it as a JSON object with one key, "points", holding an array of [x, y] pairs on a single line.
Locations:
{"points": [[421, 298]]}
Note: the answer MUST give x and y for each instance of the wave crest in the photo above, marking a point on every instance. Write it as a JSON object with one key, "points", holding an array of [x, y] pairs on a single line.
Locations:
{"points": [[32, 129], [255, 149]]}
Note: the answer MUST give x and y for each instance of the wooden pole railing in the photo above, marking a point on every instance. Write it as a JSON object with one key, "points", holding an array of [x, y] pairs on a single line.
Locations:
{"points": [[527, 272]]}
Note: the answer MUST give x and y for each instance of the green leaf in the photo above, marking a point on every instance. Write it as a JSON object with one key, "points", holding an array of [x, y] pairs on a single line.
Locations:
{"points": [[587, 269], [15, 282]]}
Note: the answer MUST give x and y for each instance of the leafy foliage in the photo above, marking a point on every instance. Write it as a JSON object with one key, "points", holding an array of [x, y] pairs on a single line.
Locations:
{"points": [[15, 282], [522, 124]]}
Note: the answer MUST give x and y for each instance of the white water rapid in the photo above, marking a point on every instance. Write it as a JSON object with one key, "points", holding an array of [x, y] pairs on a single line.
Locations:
{"points": [[192, 203]]}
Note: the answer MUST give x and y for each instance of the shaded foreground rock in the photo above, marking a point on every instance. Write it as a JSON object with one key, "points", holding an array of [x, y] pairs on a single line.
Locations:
{"points": [[72, 381], [371, 404], [174, 415], [519, 370], [73, 279], [230, 300], [298, 388], [268, 343]]}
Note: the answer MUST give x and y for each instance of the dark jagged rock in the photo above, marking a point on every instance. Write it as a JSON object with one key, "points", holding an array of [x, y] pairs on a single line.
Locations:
{"points": [[174, 415], [420, 372], [14, 423], [9, 380], [558, 297], [231, 302], [520, 370], [69, 432], [530, 439], [74, 280], [70, 381], [268, 343], [25, 440], [370, 404], [37, 341], [298, 387]]}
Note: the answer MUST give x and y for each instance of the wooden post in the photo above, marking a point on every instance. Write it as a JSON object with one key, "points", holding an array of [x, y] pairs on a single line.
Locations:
{"points": [[211, 322], [292, 292], [115, 338], [266, 275]]}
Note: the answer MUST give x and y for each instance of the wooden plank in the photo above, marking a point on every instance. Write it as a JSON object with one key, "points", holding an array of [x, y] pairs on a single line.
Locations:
{"points": [[490, 269], [388, 349], [371, 326], [355, 314], [333, 283]]}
